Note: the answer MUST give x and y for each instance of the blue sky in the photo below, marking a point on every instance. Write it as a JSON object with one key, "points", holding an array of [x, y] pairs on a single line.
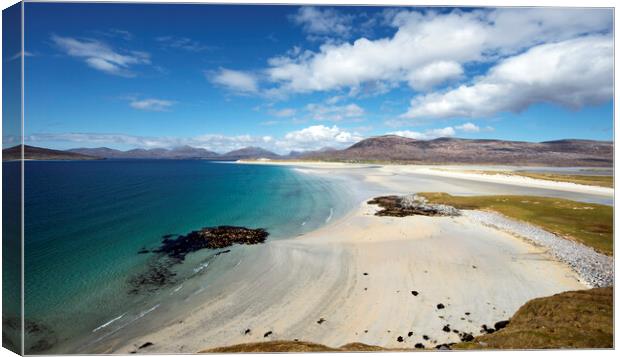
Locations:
{"points": [[301, 78]]}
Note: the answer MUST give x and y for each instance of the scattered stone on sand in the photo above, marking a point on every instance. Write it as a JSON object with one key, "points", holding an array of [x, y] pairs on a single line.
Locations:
{"points": [[426, 338], [410, 334], [501, 324], [443, 347], [145, 345], [400, 339], [267, 334], [410, 205], [321, 320], [419, 345], [365, 273], [466, 337], [414, 293], [446, 328], [486, 329], [440, 306], [467, 313], [365, 331], [246, 332]]}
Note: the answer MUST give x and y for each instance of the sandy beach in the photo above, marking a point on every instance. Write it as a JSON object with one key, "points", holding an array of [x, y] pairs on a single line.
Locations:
{"points": [[370, 279]]}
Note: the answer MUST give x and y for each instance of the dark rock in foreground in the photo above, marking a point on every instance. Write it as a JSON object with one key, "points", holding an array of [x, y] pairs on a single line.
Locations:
{"points": [[210, 238], [411, 205]]}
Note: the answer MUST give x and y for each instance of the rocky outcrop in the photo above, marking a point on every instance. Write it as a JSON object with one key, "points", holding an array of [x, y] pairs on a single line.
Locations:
{"points": [[411, 205]]}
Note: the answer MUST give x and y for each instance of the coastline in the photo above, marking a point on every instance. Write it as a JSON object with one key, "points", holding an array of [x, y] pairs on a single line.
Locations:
{"points": [[357, 275]]}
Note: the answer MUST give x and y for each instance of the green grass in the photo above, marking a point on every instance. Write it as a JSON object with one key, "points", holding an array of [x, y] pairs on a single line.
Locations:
{"points": [[573, 319], [587, 223], [589, 180]]}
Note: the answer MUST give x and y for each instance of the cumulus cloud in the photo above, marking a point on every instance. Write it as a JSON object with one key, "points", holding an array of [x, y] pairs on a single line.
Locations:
{"points": [[151, 104], [571, 73], [100, 56], [323, 112], [318, 21], [237, 81], [429, 48], [426, 135], [318, 136], [468, 128]]}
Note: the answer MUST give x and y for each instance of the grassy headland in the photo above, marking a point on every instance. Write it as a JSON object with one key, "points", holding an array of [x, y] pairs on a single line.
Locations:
{"points": [[573, 319], [587, 223]]}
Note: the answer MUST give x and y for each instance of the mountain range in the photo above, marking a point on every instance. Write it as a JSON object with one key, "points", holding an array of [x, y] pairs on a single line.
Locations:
{"points": [[387, 148]]}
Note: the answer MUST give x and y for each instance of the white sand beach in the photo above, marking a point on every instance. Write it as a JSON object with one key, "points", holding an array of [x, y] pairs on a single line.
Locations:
{"points": [[357, 274]]}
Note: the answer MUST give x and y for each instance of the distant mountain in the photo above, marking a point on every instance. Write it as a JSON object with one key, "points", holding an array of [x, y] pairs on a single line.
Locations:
{"points": [[569, 152], [37, 153], [182, 152], [249, 153]]}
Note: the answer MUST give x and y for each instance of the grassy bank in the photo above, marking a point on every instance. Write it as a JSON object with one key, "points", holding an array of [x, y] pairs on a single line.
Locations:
{"points": [[587, 223], [574, 319], [589, 180]]}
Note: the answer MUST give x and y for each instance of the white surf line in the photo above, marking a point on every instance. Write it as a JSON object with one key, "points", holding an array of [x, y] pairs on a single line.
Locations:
{"points": [[141, 315], [109, 322], [331, 214]]}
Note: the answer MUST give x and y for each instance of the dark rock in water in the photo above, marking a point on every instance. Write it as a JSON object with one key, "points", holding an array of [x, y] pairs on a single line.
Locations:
{"points": [[321, 320], [446, 328], [267, 333], [410, 205], [210, 238], [247, 331], [410, 334], [414, 293], [38, 336], [466, 337], [419, 345], [400, 339], [440, 306], [143, 251], [501, 324], [145, 345], [169, 235]]}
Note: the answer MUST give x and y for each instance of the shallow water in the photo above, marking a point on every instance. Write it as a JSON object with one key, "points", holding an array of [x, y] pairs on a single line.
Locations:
{"points": [[86, 221]]}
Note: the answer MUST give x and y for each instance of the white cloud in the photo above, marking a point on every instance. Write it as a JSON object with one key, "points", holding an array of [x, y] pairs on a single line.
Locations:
{"points": [[434, 74], [468, 128], [101, 57], [430, 48], [285, 112], [316, 137], [323, 112], [181, 43], [426, 135], [156, 105], [237, 81], [572, 73], [323, 21]]}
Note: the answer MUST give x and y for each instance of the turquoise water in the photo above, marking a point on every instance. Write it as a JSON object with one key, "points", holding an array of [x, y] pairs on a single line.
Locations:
{"points": [[86, 221]]}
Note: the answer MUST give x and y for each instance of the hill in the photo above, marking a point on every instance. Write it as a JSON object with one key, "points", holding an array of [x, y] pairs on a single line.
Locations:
{"points": [[37, 153]]}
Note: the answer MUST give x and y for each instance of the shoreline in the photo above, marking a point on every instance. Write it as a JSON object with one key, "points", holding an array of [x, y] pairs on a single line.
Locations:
{"points": [[352, 279]]}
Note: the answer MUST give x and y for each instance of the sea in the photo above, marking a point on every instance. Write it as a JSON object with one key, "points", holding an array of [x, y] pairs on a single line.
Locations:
{"points": [[85, 223]]}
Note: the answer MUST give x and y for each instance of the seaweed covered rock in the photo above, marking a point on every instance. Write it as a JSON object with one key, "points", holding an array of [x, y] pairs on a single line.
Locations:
{"points": [[411, 205], [210, 238]]}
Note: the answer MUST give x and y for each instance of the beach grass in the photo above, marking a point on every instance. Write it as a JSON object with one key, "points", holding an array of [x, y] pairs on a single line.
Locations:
{"points": [[294, 346], [573, 319], [589, 180], [587, 223]]}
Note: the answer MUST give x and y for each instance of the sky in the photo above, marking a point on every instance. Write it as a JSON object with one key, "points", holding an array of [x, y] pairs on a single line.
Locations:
{"points": [[284, 78]]}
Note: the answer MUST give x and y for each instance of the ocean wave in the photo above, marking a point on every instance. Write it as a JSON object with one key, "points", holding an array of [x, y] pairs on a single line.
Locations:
{"points": [[201, 267]]}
